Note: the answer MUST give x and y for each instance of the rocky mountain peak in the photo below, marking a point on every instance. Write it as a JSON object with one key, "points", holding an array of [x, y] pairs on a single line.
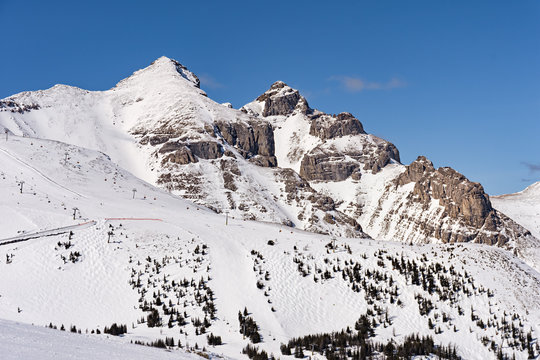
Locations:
{"points": [[417, 170], [462, 199], [278, 85], [281, 99], [326, 126]]}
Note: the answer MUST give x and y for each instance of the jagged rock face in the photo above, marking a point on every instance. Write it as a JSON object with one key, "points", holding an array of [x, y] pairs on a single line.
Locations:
{"points": [[381, 155], [317, 208], [206, 149], [425, 204], [255, 197], [328, 163], [278, 101], [328, 127], [181, 154], [319, 145], [185, 153], [251, 139], [325, 166], [460, 197], [230, 171]]}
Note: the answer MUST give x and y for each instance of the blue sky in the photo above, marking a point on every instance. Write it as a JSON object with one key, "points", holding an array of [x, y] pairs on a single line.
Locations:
{"points": [[456, 81]]}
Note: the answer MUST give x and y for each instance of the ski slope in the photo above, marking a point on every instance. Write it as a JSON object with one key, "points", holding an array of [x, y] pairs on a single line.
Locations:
{"points": [[44, 282], [23, 341]]}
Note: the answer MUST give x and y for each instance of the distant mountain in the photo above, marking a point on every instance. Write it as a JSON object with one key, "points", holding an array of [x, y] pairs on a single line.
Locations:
{"points": [[524, 208]]}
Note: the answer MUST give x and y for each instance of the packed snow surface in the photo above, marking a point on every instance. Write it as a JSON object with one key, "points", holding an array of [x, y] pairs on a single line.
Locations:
{"points": [[23, 341]]}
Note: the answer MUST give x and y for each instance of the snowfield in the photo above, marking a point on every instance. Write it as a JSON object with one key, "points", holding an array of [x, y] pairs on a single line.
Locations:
{"points": [[150, 249], [22, 341], [523, 207]]}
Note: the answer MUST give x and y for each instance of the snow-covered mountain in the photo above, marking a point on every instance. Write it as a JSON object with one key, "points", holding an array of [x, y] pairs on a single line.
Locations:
{"points": [[160, 126], [166, 268], [363, 175], [93, 231], [275, 160], [524, 208]]}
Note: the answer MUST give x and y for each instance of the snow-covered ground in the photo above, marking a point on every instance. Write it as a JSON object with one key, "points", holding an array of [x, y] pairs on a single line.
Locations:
{"points": [[523, 207], [149, 244], [23, 341]]}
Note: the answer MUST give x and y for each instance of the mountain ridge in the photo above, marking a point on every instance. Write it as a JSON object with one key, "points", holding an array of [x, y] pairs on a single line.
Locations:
{"points": [[160, 125]]}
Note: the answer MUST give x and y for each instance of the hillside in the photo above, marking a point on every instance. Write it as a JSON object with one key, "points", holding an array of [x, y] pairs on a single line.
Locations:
{"points": [[150, 251], [524, 208], [21, 341]]}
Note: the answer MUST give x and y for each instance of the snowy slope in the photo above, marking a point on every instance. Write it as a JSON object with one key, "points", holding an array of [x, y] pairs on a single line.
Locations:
{"points": [[21, 341], [180, 251], [524, 207]]}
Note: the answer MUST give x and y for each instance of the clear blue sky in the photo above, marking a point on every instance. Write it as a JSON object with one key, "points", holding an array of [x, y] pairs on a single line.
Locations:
{"points": [[456, 81]]}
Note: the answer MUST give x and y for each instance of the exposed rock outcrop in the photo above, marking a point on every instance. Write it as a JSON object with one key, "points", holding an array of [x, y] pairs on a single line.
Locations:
{"points": [[328, 163], [328, 127], [207, 152], [250, 139], [460, 197], [326, 166], [185, 153], [279, 100], [181, 156], [319, 210], [441, 204], [206, 149], [14, 107]]}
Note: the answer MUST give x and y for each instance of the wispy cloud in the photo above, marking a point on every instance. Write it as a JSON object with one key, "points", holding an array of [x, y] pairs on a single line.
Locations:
{"points": [[356, 84], [209, 82], [532, 167]]}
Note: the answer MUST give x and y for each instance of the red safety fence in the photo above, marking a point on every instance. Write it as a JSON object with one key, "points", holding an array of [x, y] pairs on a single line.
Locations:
{"points": [[150, 219]]}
